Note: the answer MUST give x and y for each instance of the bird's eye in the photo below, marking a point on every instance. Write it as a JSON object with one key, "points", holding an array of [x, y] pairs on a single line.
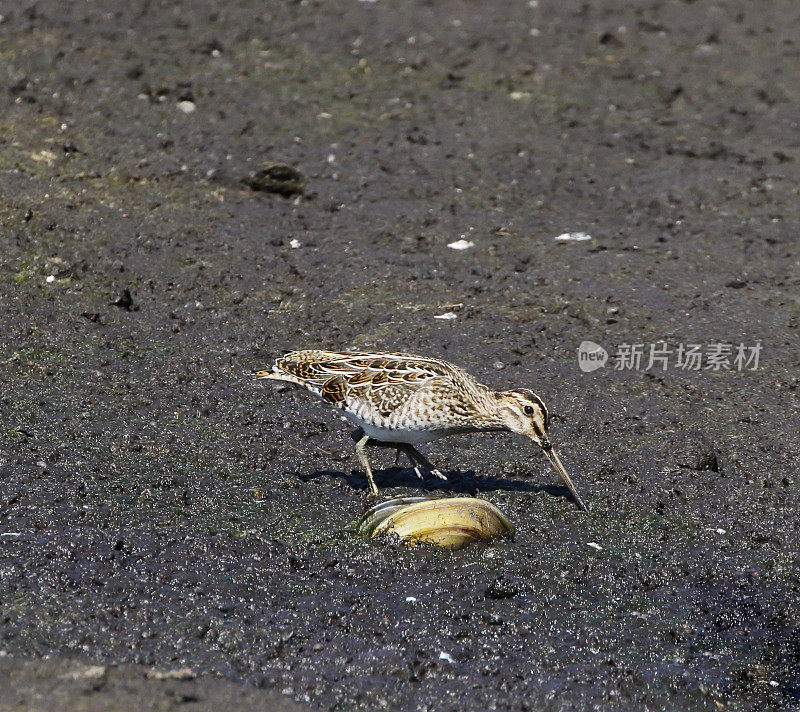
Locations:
{"points": [[528, 410]]}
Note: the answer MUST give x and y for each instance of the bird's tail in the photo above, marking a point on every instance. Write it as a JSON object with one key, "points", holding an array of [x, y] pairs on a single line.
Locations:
{"points": [[277, 375]]}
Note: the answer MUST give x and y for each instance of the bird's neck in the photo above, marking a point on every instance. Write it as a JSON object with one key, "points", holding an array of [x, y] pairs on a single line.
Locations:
{"points": [[490, 412]]}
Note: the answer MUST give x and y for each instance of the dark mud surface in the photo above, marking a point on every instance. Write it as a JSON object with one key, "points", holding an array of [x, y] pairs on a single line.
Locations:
{"points": [[160, 511]]}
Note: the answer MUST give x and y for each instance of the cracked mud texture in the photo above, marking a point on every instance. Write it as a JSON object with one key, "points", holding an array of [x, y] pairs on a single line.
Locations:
{"points": [[160, 511]]}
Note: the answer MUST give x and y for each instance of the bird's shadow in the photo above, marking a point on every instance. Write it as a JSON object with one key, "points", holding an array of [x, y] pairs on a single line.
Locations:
{"points": [[458, 482]]}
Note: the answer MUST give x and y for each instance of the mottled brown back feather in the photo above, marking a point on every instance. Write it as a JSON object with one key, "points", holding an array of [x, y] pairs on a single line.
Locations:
{"points": [[334, 390], [392, 390]]}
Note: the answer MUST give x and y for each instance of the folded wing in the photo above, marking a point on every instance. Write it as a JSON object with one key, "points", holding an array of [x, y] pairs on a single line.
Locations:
{"points": [[354, 381]]}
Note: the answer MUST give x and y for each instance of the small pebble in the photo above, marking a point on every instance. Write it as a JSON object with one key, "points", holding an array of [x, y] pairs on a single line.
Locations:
{"points": [[447, 316], [447, 657], [295, 243], [594, 545], [187, 107], [277, 178], [50, 278], [411, 599]]}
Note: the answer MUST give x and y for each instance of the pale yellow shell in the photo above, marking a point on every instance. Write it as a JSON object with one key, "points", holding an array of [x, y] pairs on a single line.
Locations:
{"points": [[450, 523]]}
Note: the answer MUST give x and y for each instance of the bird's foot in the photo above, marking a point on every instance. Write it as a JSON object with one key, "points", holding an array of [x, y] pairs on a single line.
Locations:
{"points": [[437, 473]]}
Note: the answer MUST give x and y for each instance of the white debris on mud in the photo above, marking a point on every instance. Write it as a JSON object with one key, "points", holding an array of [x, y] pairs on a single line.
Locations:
{"points": [[461, 245], [573, 236]]}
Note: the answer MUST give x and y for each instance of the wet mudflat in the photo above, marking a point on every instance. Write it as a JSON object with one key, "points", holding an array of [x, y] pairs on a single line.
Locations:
{"points": [[161, 512]]}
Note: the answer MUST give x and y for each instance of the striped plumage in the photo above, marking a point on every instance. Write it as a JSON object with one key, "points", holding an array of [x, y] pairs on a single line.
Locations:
{"points": [[394, 392], [400, 399]]}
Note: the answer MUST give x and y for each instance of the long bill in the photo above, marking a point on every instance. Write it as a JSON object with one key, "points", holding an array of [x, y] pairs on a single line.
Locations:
{"points": [[553, 457]]}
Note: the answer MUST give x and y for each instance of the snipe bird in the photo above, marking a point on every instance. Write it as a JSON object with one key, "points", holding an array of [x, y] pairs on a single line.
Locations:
{"points": [[401, 400]]}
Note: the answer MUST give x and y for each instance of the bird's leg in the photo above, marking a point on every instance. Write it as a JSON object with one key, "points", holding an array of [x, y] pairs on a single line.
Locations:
{"points": [[416, 456], [362, 456], [413, 462]]}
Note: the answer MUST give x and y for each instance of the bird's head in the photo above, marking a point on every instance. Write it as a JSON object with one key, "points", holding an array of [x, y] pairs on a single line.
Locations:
{"points": [[522, 411]]}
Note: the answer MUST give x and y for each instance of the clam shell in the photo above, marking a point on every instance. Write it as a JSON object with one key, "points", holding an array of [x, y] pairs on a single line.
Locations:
{"points": [[450, 523], [383, 510]]}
